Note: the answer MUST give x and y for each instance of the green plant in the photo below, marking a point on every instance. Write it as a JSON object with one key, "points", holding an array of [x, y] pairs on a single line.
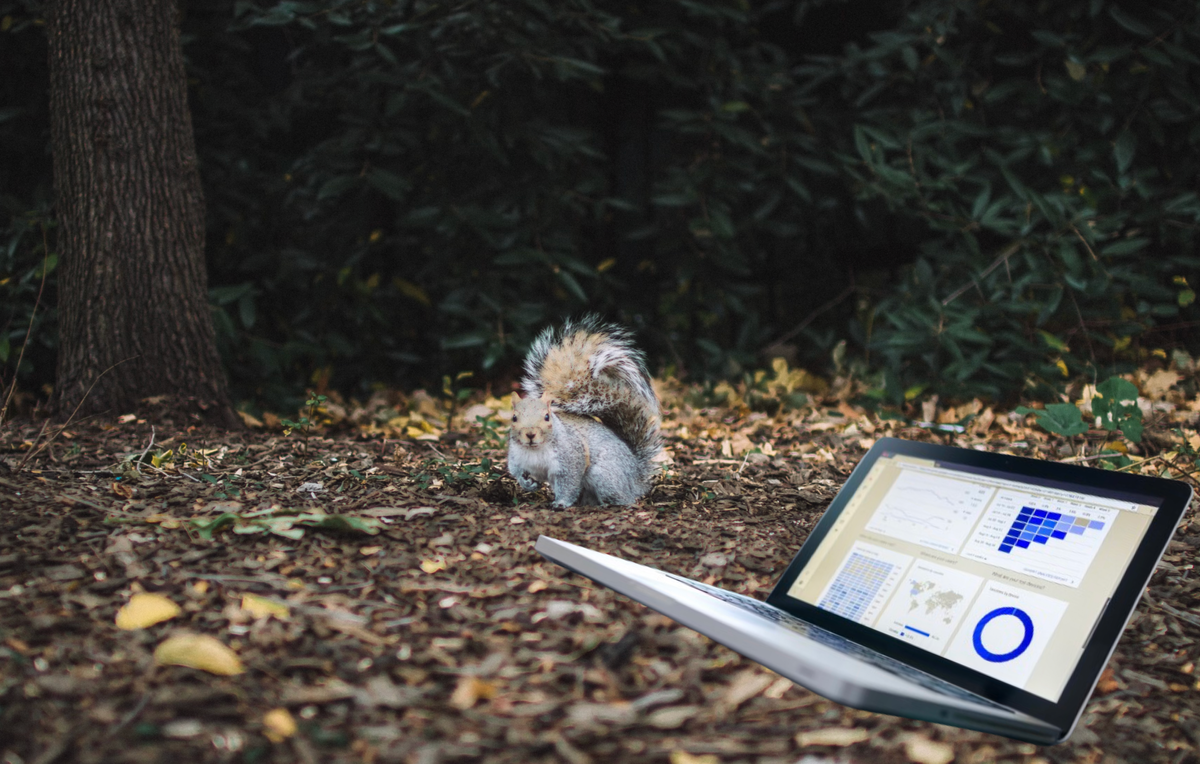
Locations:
{"points": [[1114, 406], [306, 422]]}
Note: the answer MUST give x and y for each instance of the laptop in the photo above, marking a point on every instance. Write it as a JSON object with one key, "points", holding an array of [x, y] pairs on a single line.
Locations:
{"points": [[943, 584]]}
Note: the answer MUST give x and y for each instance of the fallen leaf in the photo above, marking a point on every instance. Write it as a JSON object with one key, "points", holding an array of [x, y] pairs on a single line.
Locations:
{"points": [[537, 586], [278, 725], [145, 610], [1107, 682], [368, 551], [745, 686], [249, 420], [922, 750], [261, 607], [470, 690], [683, 757], [198, 651], [671, 717], [832, 736], [1159, 383], [433, 566], [778, 689]]}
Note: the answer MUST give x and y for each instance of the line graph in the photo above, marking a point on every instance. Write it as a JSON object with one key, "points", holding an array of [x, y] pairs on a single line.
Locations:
{"points": [[936, 512]]}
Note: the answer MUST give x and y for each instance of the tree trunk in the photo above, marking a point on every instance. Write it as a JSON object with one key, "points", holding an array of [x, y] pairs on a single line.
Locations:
{"points": [[133, 309]]}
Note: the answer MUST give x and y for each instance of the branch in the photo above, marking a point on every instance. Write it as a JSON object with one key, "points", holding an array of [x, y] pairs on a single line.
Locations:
{"points": [[811, 316], [1001, 258], [17, 369]]}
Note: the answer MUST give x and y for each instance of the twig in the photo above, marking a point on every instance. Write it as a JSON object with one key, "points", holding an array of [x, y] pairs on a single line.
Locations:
{"points": [[1086, 246], [28, 331], [1001, 258], [1147, 460], [147, 450], [129, 717], [812, 316], [1091, 458], [34, 452]]}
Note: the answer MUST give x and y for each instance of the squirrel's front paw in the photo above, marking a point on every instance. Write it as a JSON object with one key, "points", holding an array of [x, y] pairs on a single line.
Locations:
{"points": [[526, 482]]}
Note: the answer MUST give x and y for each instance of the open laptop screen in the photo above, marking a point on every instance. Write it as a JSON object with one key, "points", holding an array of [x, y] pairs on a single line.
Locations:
{"points": [[1007, 575]]}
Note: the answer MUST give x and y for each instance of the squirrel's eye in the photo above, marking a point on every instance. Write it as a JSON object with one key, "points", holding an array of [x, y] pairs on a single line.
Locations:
{"points": [[514, 417], [547, 417]]}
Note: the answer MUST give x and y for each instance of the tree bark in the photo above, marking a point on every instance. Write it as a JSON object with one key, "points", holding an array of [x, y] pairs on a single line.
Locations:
{"points": [[134, 320]]}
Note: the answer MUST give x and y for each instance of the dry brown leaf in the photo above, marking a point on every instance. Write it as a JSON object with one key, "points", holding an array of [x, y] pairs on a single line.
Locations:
{"points": [[745, 686], [1107, 682], [470, 690], [278, 725], [671, 717], [778, 689], [740, 444], [922, 750], [1159, 383], [145, 610], [984, 421], [250, 420], [683, 757], [198, 651], [832, 736]]}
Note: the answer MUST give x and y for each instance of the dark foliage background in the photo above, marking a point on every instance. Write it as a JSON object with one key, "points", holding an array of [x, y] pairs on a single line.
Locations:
{"points": [[966, 198]]}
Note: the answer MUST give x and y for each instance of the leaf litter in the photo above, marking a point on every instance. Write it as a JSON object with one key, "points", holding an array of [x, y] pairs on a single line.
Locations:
{"points": [[369, 591]]}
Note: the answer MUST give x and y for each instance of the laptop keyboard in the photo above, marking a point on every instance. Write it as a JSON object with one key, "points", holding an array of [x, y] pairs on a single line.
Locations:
{"points": [[791, 622]]}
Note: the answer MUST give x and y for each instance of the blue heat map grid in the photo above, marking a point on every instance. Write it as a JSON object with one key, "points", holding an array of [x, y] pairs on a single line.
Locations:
{"points": [[856, 586], [1037, 526]]}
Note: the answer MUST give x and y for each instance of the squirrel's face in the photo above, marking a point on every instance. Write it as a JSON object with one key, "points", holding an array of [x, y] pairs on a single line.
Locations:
{"points": [[531, 422]]}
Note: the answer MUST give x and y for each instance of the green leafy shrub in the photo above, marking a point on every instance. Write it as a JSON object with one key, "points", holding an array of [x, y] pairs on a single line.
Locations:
{"points": [[1050, 152]]}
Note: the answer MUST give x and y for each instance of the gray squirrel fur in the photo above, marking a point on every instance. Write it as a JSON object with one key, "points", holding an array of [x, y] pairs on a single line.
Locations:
{"points": [[589, 425]]}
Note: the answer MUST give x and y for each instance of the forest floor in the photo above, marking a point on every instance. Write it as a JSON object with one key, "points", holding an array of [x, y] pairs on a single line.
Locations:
{"points": [[382, 601]]}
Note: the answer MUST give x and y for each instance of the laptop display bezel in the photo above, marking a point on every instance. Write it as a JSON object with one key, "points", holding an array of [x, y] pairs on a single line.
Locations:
{"points": [[1171, 495]]}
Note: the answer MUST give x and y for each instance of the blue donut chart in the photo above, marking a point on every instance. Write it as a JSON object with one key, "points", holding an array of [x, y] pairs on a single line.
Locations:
{"points": [[987, 655]]}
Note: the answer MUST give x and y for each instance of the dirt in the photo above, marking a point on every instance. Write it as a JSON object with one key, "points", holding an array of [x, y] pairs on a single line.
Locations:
{"points": [[421, 627]]}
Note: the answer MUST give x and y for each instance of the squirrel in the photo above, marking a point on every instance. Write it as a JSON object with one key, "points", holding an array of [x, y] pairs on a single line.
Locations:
{"points": [[589, 423]]}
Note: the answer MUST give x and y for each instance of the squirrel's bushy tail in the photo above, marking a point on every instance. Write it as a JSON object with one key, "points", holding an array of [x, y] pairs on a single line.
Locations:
{"points": [[592, 368]]}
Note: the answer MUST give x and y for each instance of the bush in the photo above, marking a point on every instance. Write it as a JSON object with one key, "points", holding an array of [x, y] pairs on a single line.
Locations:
{"points": [[401, 190]]}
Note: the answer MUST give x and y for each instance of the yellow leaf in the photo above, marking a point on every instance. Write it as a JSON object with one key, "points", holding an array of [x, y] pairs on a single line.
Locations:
{"points": [[433, 566], [832, 736], [278, 725], [261, 607], [367, 551], [1116, 445], [470, 690], [683, 757], [606, 264], [249, 420], [145, 610], [198, 651], [1062, 366]]}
